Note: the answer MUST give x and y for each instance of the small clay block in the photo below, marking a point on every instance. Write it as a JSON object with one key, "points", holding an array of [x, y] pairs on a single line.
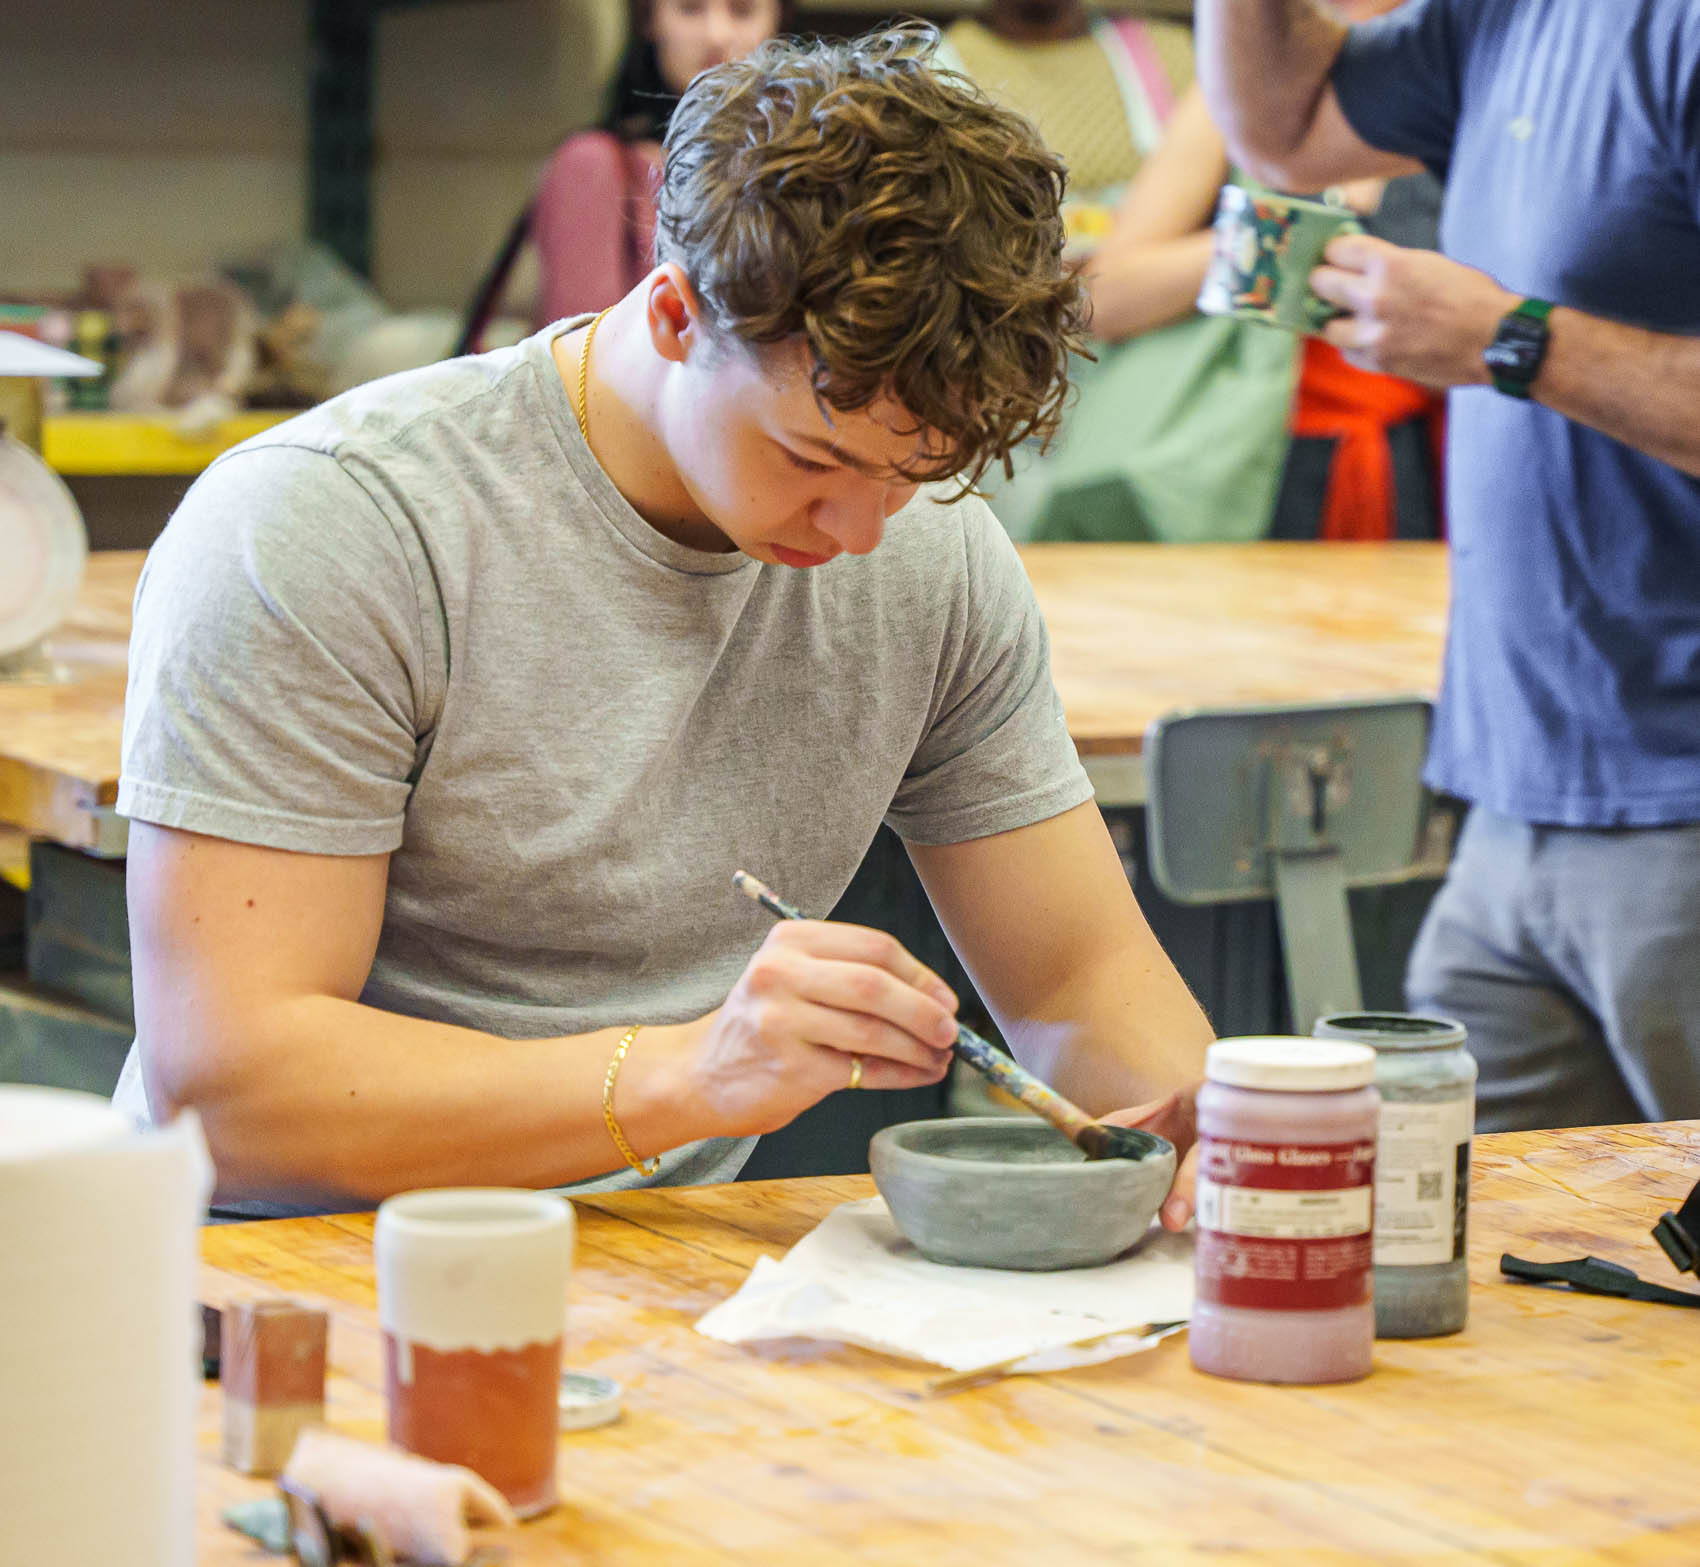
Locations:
{"points": [[272, 1367], [210, 1332]]}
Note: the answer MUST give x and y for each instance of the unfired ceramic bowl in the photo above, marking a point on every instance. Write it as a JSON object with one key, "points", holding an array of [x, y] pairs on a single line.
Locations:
{"points": [[1013, 1192]]}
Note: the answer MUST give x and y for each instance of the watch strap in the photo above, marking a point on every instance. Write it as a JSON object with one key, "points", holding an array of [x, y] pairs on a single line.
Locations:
{"points": [[1536, 310]]}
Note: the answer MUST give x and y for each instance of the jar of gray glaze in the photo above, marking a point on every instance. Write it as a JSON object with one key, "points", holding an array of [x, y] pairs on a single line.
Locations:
{"points": [[1427, 1081]]}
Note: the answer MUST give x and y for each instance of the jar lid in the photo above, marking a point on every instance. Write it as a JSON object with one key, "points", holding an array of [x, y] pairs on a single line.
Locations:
{"points": [[1290, 1064], [586, 1400], [1393, 1030]]}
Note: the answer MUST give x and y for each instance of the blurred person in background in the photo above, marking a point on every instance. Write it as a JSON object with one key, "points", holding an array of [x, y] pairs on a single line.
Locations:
{"points": [[1564, 320], [1099, 91], [1193, 428], [593, 217]]}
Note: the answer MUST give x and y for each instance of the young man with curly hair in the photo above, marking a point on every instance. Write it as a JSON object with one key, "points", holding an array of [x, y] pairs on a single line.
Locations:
{"points": [[456, 702]]}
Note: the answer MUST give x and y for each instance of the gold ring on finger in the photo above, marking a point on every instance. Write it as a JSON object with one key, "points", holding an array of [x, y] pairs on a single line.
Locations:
{"points": [[855, 1071]]}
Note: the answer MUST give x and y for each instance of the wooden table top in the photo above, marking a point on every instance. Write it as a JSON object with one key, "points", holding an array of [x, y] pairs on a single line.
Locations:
{"points": [[1136, 630], [60, 739], [1139, 630], [1557, 1429]]}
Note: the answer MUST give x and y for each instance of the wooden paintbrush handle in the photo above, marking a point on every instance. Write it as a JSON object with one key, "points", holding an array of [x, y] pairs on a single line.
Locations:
{"points": [[1066, 1116]]}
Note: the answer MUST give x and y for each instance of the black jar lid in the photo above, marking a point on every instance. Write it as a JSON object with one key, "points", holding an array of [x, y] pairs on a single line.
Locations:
{"points": [[1392, 1030]]}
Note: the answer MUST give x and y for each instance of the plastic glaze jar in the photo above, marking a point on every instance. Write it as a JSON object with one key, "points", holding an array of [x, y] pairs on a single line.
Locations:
{"points": [[1286, 1189], [1427, 1081]]}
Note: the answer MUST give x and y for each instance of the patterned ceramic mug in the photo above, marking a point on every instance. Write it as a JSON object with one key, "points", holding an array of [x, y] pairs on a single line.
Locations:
{"points": [[1266, 246]]}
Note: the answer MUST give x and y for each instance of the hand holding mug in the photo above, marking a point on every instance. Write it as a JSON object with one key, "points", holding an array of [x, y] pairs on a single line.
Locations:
{"points": [[1412, 313]]}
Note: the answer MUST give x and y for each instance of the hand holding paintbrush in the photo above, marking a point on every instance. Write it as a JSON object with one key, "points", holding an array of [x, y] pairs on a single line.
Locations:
{"points": [[1094, 1138]]}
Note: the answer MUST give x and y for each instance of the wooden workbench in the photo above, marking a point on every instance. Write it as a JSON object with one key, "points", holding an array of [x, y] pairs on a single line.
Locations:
{"points": [[103, 445], [128, 472], [60, 738], [1136, 630], [1140, 630], [1558, 1429]]}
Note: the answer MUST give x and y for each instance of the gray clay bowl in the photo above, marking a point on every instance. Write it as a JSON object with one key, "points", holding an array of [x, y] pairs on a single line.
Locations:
{"points": [[1013, 1192]]}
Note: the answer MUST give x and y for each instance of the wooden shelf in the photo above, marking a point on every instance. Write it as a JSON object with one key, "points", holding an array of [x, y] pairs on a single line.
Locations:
{"points": [[107, 443]]}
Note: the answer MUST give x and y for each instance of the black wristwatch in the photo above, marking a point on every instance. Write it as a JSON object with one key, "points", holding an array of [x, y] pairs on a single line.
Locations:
{"points": [[1514, 356]]}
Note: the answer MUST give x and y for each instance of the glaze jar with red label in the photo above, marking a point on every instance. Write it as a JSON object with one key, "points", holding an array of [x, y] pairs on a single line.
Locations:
{"points": [[1286, 1202]]}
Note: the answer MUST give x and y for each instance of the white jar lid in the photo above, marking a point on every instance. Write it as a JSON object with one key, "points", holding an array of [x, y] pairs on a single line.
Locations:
{"points": [[1292, 1065], [586, 1401]]}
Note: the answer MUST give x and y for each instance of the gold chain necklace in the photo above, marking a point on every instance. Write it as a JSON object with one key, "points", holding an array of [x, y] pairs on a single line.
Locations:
{"points": [[581, 409]]}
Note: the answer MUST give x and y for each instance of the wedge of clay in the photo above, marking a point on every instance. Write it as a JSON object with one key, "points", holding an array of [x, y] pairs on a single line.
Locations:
{"points": [[419, 1508]]}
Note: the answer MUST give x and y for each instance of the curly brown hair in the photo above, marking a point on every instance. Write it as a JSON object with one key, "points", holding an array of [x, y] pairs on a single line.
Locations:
{"points": [[888, 212]]}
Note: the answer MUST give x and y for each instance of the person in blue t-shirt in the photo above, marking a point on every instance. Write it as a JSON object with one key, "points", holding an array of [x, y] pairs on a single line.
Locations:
{"points": [[1563, 312]]}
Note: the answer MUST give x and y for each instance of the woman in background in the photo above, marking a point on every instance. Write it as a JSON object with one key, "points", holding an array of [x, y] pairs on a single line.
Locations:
{"points": [[593, 217], [1099, 90], [1193, 428]]}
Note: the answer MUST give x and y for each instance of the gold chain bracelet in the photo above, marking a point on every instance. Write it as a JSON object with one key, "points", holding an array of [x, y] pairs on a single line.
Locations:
{"points": [[642, 1166]]}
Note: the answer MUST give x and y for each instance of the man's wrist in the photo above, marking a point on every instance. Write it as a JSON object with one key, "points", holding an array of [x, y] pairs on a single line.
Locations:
{"points": [[652, 1098], [1476, 372], [1518, 352]]}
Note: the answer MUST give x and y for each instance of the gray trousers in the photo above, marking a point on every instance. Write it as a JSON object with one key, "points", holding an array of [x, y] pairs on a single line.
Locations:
{"points": [[1573, 958]]}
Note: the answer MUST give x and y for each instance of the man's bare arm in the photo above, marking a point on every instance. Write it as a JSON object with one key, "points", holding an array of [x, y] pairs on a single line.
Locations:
{"points": [[1264, 66], [1045, 921], [1639, 387], [249, 964], [248, 967]]}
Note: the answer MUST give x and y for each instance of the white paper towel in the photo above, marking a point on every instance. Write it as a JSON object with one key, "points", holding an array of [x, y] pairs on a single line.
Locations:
{"points": [[99, 1336], [856, 1280]]}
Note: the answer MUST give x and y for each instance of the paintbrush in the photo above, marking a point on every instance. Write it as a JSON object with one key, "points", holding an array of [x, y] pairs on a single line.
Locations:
{"points": [[1093, 1138]]}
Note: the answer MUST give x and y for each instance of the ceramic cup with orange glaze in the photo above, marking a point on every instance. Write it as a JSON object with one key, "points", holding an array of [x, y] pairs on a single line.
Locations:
{"points": [[472, 1299]]}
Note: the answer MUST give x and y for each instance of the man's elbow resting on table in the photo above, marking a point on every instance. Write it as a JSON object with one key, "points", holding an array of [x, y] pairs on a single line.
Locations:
{"points": [[263, 1147]]}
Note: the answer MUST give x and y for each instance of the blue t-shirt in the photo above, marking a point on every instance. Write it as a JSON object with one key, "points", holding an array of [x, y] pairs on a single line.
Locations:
{"points": [[1568, 133]]}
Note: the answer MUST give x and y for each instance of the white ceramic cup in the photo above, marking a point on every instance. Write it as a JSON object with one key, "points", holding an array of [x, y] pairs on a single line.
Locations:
{"points": [[472, 1300]]}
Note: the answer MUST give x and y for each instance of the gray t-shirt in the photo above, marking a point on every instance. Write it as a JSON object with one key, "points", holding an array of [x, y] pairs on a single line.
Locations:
{"points": [[420, 620]]}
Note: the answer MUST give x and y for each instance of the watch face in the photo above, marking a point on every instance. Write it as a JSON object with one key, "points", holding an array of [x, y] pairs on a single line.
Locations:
{"points": [[1516, 348]]}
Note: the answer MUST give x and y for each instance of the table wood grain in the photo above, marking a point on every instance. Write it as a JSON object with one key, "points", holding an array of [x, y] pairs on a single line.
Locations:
{"points": [[1136, 631], [60, 737], [1557, 1429], [1139, 630]]}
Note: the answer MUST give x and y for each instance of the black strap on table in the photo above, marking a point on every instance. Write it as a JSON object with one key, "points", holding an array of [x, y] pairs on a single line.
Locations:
{"points": [[1679, 1234], [1595, 1276]]}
